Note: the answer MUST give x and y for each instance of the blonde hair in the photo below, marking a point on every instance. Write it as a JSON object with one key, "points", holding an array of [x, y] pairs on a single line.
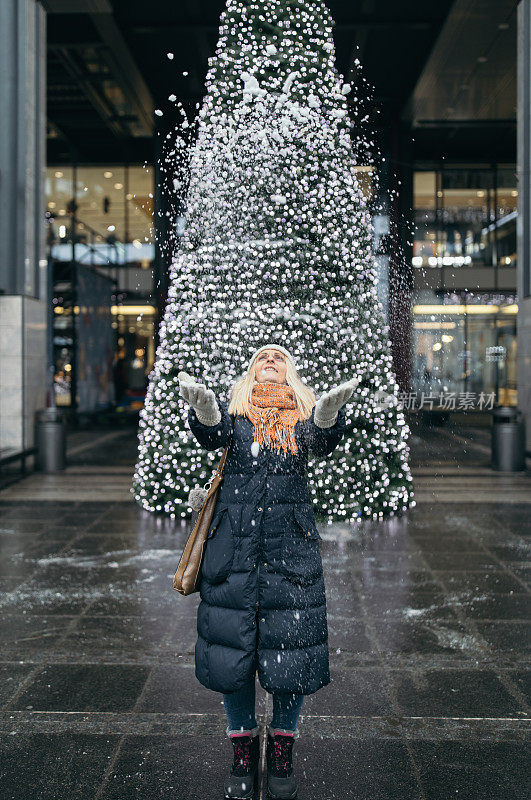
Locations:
{"points": [[240, 395]]}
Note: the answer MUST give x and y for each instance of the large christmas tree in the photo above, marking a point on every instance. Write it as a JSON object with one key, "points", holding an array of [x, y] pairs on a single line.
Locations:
{"points": [[277, 247]]}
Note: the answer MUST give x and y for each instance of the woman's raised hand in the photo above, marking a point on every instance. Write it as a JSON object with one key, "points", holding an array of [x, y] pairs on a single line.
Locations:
{"points": [[193, 392], [202, 400], [326, 408]]}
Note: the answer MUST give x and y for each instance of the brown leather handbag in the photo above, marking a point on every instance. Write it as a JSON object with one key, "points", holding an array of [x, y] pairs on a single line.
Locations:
{"points": [[185, 578]]}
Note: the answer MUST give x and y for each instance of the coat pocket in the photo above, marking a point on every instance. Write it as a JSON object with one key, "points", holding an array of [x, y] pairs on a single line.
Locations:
{"points": [[306, 521], [219, 548], [300, 554]]}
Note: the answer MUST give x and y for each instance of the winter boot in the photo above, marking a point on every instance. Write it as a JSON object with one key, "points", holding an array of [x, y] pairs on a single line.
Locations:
{"points": [[281, 781], [243, 776]]}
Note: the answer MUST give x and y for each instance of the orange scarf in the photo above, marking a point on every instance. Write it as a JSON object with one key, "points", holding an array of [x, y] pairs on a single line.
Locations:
{"points": [[273, 412]]}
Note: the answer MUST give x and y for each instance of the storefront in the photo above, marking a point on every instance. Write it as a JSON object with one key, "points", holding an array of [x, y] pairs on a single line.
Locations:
{"points": [[100, 221], [465, 217], [465, 304], [465, 343]]}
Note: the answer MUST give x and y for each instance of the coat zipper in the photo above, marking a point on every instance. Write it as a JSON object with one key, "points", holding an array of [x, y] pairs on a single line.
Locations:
{"points": [[258, 573], [258, 566]]}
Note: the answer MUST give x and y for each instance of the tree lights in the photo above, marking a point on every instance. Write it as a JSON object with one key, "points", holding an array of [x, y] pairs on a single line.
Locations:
{"points": [[277, 247]]}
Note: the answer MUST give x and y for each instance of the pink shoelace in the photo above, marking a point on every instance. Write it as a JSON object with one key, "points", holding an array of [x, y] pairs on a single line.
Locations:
{"points": [[281, 753], [242, 752]]}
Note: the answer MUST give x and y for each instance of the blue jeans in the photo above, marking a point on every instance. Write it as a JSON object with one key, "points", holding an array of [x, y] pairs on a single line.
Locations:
{"points": [[240, 711]]}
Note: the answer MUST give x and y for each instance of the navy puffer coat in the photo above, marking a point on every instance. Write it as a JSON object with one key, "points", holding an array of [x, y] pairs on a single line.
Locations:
{"points": [[263, 605]]}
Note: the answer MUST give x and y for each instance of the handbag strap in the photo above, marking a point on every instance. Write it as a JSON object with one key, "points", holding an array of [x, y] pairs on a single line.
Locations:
{"points": [[222, 460]]}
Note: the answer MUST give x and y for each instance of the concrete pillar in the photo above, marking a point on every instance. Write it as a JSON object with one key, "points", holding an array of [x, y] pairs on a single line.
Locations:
{"points": [[22, 228], [524, 214]]}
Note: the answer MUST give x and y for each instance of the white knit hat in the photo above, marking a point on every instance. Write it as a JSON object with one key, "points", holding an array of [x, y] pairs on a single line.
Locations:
{"points": [[270, 347]]}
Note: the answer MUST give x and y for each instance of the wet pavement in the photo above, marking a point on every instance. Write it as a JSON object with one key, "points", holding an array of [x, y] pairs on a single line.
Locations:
{"points": [[428, 632]]}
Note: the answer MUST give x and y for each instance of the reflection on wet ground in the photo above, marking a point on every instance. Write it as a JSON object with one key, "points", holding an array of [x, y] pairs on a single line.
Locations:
{"points": [[429, 649]]}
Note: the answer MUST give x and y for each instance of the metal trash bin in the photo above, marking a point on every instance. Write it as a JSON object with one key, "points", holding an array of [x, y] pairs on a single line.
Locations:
{"points": [[508, 439], [50, 440]]}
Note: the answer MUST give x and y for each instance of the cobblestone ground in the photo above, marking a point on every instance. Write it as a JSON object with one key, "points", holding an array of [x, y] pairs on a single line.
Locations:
{"points": [[428, 625]]}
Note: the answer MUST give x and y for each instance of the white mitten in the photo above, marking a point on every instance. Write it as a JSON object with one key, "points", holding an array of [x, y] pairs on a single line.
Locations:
{"points": [[202, 400], [326, 408]]}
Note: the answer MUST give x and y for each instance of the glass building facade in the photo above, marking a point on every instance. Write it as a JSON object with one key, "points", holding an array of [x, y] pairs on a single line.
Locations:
{"points": [[465, 304], [100, 219], [465, 217]]}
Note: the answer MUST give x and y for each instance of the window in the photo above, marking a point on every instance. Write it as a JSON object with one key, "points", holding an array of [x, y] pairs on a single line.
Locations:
{"points": [[465, 217], [465, 342], [109, 209]]}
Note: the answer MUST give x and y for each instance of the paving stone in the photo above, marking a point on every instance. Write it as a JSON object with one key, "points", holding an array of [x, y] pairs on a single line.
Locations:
{"points": [[507, 637], [515, 606], [175, 688], [449, 770], [52, 767], [84, 687], [452, 693], [421, 636], [487, 582], [31, 637], [12, 676], [357, 692]]}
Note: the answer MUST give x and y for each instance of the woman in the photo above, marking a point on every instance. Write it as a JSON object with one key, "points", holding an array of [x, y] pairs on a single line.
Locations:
{"points": [[263, 605]]}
